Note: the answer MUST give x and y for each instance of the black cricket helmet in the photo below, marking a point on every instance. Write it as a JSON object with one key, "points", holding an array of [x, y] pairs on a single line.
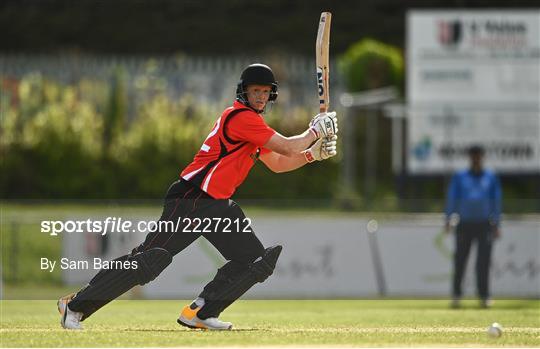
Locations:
{"points": [[256, 74]]}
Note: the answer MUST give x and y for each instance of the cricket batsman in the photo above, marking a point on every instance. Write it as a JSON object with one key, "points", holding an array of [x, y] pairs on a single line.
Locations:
{"points": [[240, 137]]}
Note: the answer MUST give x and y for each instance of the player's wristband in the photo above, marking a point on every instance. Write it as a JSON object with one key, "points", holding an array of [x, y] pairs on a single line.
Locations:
{"points": [[309, 156]]}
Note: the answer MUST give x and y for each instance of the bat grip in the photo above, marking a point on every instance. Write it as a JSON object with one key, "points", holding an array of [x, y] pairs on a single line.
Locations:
{"points": [[323, 110]]}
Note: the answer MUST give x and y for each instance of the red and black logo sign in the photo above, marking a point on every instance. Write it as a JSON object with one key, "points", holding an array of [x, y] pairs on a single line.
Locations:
{"points": [[450, 33]]}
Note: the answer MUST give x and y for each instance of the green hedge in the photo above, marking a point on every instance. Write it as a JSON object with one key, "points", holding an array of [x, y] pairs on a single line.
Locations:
{"points": [[370, 64], [73, 141]]}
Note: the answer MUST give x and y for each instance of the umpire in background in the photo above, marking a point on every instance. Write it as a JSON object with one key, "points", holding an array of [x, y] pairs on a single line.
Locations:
{"points": [[475, 196]]}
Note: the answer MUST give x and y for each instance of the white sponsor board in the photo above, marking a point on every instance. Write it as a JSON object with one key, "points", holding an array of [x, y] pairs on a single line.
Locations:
{"points": [[333, 257], [417, 259], [440, 138], [473, 77]]}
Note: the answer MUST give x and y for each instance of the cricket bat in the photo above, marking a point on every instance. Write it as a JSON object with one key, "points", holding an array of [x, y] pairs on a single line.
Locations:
{"points": [[322, 61]]}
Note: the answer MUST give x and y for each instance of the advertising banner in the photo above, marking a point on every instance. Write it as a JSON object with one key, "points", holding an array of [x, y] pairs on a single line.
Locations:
{"points": [[473, 77], [338, 257]]}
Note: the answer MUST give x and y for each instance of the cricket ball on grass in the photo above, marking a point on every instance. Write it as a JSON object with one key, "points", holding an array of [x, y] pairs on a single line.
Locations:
{"points": [[495, 330]]}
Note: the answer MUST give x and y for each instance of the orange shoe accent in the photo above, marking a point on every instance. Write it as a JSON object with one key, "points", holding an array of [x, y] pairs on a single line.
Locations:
{"points": [[189, 313], [201, 326], [64, 301]]}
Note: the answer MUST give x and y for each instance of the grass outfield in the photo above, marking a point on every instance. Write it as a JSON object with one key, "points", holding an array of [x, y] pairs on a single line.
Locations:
{"points": [[369, 323]]}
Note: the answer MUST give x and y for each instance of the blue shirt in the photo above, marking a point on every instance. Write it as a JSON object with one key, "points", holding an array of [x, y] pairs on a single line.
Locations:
{"points": [[474, 197]]}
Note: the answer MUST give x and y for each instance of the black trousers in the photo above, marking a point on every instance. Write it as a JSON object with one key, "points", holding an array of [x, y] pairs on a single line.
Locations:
{"points": [[235, 241], [466, 234]]}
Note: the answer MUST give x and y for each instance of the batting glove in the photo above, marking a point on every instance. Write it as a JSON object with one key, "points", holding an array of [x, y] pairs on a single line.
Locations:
{"points": [[323, 149], [324, 124]]}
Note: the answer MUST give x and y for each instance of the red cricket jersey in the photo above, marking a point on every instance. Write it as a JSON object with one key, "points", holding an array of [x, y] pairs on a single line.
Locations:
{"points": [[228, 153]]}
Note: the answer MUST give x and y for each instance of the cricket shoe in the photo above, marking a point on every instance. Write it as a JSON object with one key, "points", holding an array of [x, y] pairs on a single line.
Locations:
{"points": [[455, 303], [69, 319], [189, 318], [486, 303]]}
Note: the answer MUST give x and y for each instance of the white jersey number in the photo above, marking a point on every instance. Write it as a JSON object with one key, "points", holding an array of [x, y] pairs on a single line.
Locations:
{"points": [[205, 147]]}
